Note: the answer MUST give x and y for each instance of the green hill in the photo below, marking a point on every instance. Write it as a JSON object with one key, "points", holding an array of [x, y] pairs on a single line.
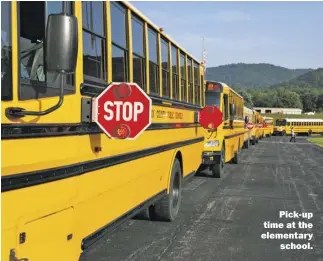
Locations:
{"points": [[304, 91], [312, 80], [243, 75]]}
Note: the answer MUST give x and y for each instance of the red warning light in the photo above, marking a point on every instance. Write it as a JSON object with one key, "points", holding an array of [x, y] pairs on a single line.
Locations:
{"points": [[122, 131], [123, 90]]}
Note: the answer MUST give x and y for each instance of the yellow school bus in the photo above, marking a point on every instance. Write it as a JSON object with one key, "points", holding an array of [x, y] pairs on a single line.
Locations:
{"points": [[280, 127], [268, 126], [224, 143], [304, 126], [250, 134], [259, 126], [64, 182]]}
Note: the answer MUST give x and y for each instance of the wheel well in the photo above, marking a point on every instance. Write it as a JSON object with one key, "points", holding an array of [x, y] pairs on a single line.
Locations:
{"points": [[180, 158]]}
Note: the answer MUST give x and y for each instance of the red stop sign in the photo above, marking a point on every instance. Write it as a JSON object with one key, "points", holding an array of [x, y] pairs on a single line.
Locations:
{"points": [[210, 117], [122, 110], [249, 125]]}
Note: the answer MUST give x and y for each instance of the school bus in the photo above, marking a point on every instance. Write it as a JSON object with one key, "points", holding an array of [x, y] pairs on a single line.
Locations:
{"points": [[304, 126], [259, 126], [64, 182], [250, 134], [280, 127], [224, 143], [268, 126]]}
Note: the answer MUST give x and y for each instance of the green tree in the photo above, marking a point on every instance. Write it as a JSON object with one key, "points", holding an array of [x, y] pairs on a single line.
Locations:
{"points": [[247, 98], [319, 102], [289, 99], [309, 101]]}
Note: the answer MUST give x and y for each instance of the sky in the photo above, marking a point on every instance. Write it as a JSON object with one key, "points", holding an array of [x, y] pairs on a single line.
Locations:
{"points": [[288, 34]]}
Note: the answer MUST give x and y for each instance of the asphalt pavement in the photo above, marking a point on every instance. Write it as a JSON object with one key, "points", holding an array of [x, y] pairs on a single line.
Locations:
{"points": [[223, 219]]}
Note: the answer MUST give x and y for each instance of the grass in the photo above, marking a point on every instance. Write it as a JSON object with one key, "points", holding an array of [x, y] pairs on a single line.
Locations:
{"points": [[318, 141]]}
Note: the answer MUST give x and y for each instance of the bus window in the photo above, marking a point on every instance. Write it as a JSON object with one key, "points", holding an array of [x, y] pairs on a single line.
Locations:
{"points": [[175, 73], [153, 62], [138, 52], [213, 98], [6, 54], [280, 122], [183, 77], [119, 42], [190, 83], [35, 82], [197, 84], [165, 68], [288, 123], [226, 106]]}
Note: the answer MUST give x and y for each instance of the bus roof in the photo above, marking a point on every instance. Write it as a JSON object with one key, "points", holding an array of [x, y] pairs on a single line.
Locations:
{"points": [[303, 120], [145, 18], [224, 85]]}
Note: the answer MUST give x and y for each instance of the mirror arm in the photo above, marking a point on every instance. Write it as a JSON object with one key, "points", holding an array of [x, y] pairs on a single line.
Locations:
{"points": [[16, 112]]}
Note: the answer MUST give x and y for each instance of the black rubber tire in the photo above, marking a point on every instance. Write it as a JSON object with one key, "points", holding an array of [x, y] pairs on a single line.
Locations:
{"points": [[166, 209], [217, 169], [146, 214], [235, 159], [247, 143], [253, 142], [257, 140]]}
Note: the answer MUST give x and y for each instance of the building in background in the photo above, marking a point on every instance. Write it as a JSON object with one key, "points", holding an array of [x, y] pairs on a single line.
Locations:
{"points": [[278, 110]]}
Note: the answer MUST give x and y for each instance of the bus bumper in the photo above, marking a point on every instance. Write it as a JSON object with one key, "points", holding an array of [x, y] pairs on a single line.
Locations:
{"points": [[210, 158]]}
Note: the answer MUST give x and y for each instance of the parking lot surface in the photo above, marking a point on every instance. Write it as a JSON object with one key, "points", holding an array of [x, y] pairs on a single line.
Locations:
{"points": [[222, 219]]}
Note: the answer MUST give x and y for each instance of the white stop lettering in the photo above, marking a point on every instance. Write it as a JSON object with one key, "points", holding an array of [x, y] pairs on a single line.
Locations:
{"points": [[123, 110]]}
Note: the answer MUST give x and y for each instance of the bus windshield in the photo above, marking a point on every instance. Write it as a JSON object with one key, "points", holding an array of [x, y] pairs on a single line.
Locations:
{"points": [[280, 122], [212, 98]]}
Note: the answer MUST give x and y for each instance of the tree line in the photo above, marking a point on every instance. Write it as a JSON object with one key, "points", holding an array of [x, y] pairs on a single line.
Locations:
{"points": [[304, 98]]}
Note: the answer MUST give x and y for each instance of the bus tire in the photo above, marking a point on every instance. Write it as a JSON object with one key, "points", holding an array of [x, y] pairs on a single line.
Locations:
{"points": [[257, 140], [166, 209], [217, 169], [146, 214], [235, 159], [253, 142], [246, 145], [309, 133]]}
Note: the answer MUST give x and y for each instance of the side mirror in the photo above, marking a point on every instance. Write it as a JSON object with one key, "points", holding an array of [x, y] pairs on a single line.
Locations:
{"points": [[246, 119], [232, 109], [61, 43]]}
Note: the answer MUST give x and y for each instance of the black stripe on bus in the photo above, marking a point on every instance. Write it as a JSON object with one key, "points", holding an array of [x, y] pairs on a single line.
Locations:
{"points": [[22, 180], [234, 135], [24, 131]]}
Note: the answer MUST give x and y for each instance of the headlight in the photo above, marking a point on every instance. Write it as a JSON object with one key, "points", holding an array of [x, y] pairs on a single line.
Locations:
{"points": [[213, 143]]}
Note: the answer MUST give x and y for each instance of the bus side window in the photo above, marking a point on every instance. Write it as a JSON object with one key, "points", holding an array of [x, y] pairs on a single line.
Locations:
{"points": [[35, 81], [226, 106]]}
